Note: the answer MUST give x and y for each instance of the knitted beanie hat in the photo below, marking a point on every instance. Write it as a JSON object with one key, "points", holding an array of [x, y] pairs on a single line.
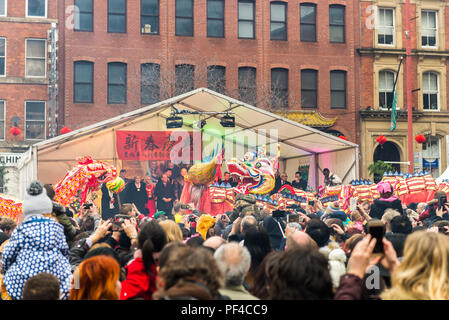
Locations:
{"points": [[36, 200], [333, 207]]}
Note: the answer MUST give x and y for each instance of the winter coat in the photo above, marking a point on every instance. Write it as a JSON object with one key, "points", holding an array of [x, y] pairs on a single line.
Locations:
{"points": [[37, 245], [138, 283], [379, 206]]}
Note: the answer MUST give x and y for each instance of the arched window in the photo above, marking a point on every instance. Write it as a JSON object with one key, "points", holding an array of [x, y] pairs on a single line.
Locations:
{"points": [[247, 85], [309, 88], [185, 78], [430, 90], [150, 80], [216, 78], [386, 87], [83, 91], [116, 83], [279, 88]]}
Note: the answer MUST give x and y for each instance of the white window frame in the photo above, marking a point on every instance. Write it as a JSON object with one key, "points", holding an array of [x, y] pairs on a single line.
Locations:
{"points": [[26, 58], [436, 28], [438, 90], [4, 120], [378, 26], [6, 9], [395, 75], [37, 17], [45, 120], [4, 75]]}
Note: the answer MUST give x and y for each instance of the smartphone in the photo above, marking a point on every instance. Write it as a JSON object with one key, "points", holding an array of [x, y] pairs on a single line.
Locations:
{"points": [[118, 220], [311, 202], [377, 230], [442, 202], [293, 217]]}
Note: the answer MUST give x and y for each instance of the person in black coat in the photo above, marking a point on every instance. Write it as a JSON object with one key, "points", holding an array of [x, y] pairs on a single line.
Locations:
{"points": [[165, 193], [386, 200], [109, 206], [299, 183], [136, 192]]}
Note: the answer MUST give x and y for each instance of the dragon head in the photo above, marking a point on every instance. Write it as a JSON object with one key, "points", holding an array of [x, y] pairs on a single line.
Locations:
{"points": [[255, 172]]}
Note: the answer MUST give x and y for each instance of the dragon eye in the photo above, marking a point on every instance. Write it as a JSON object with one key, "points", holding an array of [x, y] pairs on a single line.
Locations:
{"points": [[258, 165]]}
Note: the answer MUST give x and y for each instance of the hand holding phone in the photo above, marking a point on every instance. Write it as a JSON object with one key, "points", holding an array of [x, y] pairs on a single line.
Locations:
{"points": [[376, 228]]}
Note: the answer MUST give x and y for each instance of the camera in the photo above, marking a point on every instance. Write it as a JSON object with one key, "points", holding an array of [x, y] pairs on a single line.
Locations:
{"points": [[311, 202], [279, 214], [442, 201], [185, 206], [88, 205], [118, 221]]}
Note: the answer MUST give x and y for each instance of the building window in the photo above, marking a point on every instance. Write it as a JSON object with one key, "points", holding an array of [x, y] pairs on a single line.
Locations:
{"points": [[3, 8], [279, 88], [386, 84], [337, 23], [150, 80], [429, 28], [215, 18], [246, 19], [36, 58], [338, 89], [185, 78], [37, 8], [309, 88], [216, 78], [116, 83], [84, 15], [2, 119], [35, 120], [117, 16], [184, 17], [2, 56], [385, 33], [247, 85], [308, 22], [278, 21], [430, 91], [149, 16], [83, 82], [431, 155]]}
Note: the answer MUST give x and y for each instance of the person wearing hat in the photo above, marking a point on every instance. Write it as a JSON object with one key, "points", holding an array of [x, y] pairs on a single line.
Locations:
{"points": [[37, 245], [386, 200]]}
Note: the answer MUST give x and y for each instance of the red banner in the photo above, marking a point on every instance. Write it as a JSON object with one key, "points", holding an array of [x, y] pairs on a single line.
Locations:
{"points": [[177, 146]]}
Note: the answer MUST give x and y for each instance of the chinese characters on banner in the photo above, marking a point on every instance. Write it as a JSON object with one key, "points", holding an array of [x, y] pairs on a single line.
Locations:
{"points": [[176, 146]]}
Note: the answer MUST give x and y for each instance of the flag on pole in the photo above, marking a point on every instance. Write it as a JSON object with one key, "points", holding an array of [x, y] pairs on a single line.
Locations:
{"points": [[394, 112]]}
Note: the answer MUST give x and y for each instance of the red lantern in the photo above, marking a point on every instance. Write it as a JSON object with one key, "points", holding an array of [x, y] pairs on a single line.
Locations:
{"points": [[15, 131], [381, 139], [343, 137], [420, 138], [65, 130]]}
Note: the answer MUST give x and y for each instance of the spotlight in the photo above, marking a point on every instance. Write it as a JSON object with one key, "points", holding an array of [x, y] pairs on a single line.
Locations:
{"points": [[228, 121], [200, 124], [174, 122]]}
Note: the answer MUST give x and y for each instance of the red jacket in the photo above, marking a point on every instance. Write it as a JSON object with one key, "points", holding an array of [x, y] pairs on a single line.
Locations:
{"points": [[138, 283]]}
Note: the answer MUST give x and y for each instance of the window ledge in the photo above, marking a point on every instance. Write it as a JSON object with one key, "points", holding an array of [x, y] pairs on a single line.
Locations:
{"points": [[27, 20], [18, 80]]}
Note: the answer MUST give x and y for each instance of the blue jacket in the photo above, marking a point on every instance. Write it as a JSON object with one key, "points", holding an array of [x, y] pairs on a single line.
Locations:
{"points": [[36, 246]]}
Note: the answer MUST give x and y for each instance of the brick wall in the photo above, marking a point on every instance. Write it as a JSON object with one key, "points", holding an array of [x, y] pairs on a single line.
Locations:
{"points": [[167, 49]]}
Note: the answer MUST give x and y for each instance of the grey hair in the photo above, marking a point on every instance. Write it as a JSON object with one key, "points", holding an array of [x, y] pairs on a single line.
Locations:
{"points": [[233, 261], [248, 222]]}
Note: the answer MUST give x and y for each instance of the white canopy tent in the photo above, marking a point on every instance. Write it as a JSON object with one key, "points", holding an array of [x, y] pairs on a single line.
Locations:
{"points": [[49, 160]]}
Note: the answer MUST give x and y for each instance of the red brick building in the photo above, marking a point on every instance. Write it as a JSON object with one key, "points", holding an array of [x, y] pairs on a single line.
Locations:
{"points": [[121, 55], [24, 71]]}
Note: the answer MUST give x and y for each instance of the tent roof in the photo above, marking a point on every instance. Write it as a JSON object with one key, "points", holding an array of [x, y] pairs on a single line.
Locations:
{"points": [[296, 140]]}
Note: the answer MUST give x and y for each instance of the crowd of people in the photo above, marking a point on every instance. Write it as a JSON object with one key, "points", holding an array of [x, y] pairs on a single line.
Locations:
{"points": [[304, 253]]}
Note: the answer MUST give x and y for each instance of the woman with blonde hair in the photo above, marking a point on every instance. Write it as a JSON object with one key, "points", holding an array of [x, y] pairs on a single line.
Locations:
{"points": [[423, 274], [172, 230]]}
